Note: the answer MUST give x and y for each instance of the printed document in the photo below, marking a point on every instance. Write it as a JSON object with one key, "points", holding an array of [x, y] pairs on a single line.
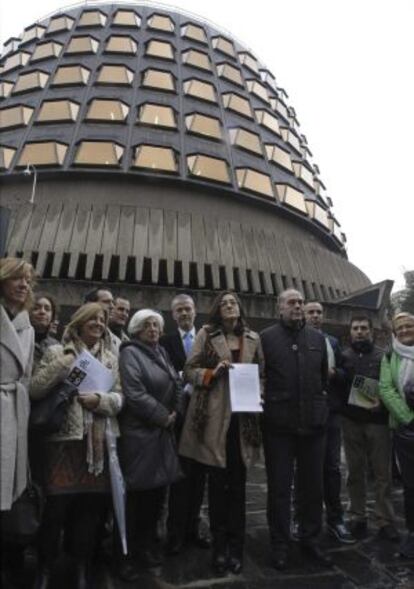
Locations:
{"points": [[89, 375], [245, 388]]}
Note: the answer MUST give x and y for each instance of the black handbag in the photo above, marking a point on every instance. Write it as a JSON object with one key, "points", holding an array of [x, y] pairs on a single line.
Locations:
{"points": [[47, 415], [20, 524]]}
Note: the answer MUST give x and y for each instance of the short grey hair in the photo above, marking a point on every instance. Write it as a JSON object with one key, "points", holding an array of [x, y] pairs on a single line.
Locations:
{"points": [[284, 294], [138, 319], [180, 299]]}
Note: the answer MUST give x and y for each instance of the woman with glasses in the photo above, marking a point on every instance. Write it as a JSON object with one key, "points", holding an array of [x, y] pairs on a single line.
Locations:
{"points": [[227, 442]]}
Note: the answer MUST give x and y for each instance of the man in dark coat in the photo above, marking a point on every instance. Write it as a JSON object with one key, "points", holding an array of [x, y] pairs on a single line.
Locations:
{"points": [[186, 496], [294, 422], [332, 463], [367, 438]]}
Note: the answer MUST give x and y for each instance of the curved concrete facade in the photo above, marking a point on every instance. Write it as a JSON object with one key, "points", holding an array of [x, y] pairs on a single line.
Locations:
{"points": [[165, 155]]}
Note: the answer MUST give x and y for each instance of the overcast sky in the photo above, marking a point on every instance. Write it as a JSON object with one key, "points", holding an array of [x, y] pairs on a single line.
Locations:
{"points": [[347, 66]]}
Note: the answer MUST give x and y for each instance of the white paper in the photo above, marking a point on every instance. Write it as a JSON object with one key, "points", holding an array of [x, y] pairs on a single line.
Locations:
{"points": [[89, 375], [244, 384]]}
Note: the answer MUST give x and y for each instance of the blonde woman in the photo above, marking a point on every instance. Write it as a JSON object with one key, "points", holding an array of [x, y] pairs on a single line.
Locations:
{"points": [[16, 358], [76, 473]]}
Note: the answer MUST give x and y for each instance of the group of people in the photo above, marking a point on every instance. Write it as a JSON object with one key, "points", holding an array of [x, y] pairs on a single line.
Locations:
{"points": [[177, 438]]}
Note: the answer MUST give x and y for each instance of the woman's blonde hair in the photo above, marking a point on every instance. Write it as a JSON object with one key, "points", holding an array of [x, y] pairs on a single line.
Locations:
{"points": [[11, 268], [79, 318]]}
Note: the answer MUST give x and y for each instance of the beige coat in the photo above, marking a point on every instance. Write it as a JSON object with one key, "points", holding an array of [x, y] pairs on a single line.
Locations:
{"points": [[53, 368], [212, 449], [16, 358]]}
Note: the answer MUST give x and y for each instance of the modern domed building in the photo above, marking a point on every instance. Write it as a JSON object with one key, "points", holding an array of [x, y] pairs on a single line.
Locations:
{"points": [[161, 155]]}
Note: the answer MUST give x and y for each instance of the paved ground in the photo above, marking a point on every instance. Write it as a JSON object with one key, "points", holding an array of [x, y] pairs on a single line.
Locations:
{"points": [[369, 564]]}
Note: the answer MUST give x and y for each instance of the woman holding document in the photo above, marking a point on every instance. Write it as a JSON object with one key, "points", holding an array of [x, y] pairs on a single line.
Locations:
{"points": [[214, 433], [75, 461]]}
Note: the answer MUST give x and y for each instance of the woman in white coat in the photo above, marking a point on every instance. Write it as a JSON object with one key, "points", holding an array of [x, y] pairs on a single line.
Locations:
{"points": [[16, 358]]}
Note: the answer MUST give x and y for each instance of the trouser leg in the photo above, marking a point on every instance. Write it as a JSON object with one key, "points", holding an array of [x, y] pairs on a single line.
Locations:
{"points": [[52, 525], [332, 471], [310, 458], [379, 452], [405, 454], [356, 458], [279, 459], [236, 491]]}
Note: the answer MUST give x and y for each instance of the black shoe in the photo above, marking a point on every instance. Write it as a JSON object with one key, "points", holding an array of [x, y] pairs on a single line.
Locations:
{"points": [[174, 545], [127, 572], [388, 532], [280, 558], [235, 565], [359, 528], [341, 533], [407, 546], [313, 551], [220, 563]]}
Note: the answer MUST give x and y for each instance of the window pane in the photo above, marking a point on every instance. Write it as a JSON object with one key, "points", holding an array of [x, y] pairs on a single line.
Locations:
{"points": [[61, 23], [157, 115], [107, 110], [43, 154], [317, 213], [194, 32], [224, 45], [268, 121], [5, 89], [115, 74], [292, 197], [34, 32], [158, 80], [6, 156], [92, 18], [126, 18], [161, 23], [155, 158], [70, 75], [30, 81], [160, 49], [290, 138], [237, 104], [230, 73], [16, 60], [254, 181], [203, 125], [279, 107], [121, 44], [99, 153], [249, 61], [82, 45], [15, 116], [46, 50], [197, 59], [303, 173], [279, 156], [211, 168], [246, 140], [258, 90], [58, 110], [200, 90]]}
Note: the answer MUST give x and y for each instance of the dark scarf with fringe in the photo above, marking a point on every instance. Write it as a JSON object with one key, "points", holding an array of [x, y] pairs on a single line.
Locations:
{"points": [[249, 422]]}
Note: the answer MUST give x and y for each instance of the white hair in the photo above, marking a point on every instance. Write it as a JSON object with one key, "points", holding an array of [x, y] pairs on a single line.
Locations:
{"points": [[137, 321]]}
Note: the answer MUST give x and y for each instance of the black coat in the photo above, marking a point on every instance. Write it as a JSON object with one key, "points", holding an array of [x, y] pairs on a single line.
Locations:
{"points": [[152, 390], [365, 361], [173, 343], [296, 371]]}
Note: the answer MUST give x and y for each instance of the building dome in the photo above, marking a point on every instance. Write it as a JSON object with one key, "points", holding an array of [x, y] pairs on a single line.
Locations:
{"points": [[164, 154]]}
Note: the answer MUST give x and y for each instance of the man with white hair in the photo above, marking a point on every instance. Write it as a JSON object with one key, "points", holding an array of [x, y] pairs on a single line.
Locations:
{"points": [[294, 420], [186, 496]]}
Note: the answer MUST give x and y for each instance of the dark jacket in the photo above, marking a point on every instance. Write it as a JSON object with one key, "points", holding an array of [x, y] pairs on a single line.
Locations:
{"points": [[152, 391], [335, 383], [364, 360], [296, 371], [173, 343]]}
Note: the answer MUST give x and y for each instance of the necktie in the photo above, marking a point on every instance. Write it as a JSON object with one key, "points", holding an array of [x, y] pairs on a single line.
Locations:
{"points": [[188, 343]]}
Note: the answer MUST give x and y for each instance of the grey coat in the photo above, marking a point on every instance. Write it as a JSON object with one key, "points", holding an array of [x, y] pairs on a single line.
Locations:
{"points": [[152, 390], [16, 358]]}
